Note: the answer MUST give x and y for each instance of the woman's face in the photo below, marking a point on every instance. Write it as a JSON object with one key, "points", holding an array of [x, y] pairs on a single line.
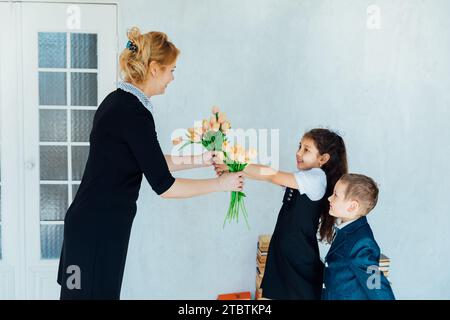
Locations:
{"points": [[163, 76]]}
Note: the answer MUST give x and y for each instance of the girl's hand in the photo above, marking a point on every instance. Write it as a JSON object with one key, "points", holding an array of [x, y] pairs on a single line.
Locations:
{"points": [[219, 166], [221, 169], [232, 181]]}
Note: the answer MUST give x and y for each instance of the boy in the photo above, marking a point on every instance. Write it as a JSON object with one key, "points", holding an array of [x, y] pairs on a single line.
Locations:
{"points": [[351, 265]]}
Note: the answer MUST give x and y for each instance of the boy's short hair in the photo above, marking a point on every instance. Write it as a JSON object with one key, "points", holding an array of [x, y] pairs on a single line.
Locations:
{"points": [[361, 188]]}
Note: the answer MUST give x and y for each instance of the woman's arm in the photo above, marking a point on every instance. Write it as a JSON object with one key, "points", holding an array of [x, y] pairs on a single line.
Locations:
{"points": [[186, 188], [178, 163], [263, 173]]}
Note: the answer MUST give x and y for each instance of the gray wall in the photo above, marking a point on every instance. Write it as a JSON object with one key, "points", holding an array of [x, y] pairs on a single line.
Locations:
{"points": [[295, 65]]}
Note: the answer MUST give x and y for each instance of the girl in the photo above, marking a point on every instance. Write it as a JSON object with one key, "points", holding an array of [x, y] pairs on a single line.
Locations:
{"points": [[293, 268]]}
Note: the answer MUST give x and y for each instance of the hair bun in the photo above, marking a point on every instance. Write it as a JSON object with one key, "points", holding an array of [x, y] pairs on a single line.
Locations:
{"points": [[134, 34], [141, 49]]}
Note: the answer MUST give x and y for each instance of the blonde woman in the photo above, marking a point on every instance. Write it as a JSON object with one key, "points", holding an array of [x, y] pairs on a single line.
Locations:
{"points": [[123, 147]]}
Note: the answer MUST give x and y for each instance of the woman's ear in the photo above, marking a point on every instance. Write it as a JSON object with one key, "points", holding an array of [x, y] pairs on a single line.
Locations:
{"points": [[324, 159], [153, 69]]}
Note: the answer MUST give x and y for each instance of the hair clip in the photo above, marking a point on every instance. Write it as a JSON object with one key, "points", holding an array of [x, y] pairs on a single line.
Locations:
{"points": [[131, 46]]}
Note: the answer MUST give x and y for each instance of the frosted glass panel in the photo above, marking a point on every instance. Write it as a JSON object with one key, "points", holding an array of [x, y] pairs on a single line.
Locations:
{"points": [[0, 242], [83, 89], [82, 125], [74, 190], [52, 125], [53, 162], [52, 49], [51, 240], [83, 48], [52, 88], [53, 203], [79, 159]]}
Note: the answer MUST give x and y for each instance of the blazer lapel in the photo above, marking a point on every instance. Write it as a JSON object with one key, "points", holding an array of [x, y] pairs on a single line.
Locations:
{"points": [[341, 235], [338, 242]]}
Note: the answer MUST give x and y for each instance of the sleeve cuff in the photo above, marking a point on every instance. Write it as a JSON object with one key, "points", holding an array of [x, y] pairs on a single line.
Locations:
{"points": [[164, 185]]}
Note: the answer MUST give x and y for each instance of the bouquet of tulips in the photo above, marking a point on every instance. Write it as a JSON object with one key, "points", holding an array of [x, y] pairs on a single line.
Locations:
{"points": [[236, 159], [210, 135], [213, 136]]}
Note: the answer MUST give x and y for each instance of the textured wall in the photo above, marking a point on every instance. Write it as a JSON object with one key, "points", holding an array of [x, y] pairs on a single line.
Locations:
{"points": [[293, 65]]}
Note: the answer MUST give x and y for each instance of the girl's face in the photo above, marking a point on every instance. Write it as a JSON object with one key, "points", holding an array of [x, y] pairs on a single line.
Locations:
{"points": [[340, 207], [308, 155]]}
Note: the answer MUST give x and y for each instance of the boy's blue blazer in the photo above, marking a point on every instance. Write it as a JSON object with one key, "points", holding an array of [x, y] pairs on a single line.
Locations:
{"points": [[349, 273]]}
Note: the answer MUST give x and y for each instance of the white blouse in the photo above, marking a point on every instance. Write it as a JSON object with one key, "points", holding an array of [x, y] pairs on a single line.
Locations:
{"points": [[312, 182]]}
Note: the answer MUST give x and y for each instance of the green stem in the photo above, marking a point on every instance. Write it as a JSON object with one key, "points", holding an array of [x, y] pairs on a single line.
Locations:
{"points": [[237, 198]]}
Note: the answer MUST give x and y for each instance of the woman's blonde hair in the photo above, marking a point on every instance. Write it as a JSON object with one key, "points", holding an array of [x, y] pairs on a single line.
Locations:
{"points": [[142, 49]]}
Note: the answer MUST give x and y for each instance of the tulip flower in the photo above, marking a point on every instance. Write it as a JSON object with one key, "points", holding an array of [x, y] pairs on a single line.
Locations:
{"points": [[226, 147], [216, 127], [225, 126], [215, 110], [198, 130], [206, 125], [196, 138], [177, 141], [221, 118], [251, 154]]}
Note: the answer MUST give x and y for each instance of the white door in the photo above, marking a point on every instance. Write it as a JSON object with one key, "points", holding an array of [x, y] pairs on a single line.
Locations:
{"points": [[68, 65]]}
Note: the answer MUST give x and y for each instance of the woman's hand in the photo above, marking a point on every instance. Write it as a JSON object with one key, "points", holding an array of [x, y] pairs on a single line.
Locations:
{"points": [[232, 181]]}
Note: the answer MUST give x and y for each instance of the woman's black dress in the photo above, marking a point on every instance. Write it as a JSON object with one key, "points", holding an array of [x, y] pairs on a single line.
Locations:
{"points": [[97, 225], [293, 268]]}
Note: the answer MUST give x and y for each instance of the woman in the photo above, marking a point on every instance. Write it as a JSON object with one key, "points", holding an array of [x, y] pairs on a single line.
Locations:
{"points": [[123, 147]]}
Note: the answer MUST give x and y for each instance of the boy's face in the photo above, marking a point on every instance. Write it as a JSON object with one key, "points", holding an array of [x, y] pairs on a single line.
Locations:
{"points": [[345, 209], [308, 155]]}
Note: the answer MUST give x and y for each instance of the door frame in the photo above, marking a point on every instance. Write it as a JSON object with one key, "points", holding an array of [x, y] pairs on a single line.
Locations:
{"points": [[20, 276], [12, 265]]}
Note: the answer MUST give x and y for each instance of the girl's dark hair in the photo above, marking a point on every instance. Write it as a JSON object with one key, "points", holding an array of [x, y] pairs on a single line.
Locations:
{"points": [[327, 141]]}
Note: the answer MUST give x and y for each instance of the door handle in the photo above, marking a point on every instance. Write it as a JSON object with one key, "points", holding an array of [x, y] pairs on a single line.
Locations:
{"points": [[29, 165]]}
